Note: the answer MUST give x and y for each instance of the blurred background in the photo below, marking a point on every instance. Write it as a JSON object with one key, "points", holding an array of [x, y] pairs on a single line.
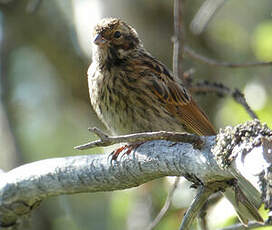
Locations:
{"points": [[45, 50]]}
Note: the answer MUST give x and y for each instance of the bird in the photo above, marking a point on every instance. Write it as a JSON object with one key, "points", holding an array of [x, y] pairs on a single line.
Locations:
{"points": [[131, 91]]}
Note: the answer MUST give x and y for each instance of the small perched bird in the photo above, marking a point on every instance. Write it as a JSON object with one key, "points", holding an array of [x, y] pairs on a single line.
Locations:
{"points": [[132, 92]]}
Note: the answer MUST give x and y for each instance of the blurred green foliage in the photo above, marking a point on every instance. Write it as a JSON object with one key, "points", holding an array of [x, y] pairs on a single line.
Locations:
{"points": [[44, 92], [263, 41], [121, 204]]}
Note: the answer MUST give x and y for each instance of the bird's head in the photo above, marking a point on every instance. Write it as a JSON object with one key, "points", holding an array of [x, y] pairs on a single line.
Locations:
{"points": [[113, 38]]}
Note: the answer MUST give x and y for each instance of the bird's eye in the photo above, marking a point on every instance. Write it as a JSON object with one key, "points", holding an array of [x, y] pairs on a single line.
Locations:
{"points": [[117, 34]]}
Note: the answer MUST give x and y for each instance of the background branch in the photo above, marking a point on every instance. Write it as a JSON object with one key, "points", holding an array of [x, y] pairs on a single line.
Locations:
{"points": [[222, 90], [251, 225], [178, 39], [189, 51], [202, 221], [201, 197], [205, 14], [166, 205]]}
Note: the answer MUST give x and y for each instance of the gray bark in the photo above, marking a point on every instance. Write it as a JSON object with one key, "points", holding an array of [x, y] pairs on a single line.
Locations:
{"points": [[23, 188]]}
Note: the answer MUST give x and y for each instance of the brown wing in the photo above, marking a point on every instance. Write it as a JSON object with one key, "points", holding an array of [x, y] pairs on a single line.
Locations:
{"points": [[181, 104], [176, 98]]}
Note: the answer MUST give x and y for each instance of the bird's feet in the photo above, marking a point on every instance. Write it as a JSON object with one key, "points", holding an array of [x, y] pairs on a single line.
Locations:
{"points": [[126, 149]]}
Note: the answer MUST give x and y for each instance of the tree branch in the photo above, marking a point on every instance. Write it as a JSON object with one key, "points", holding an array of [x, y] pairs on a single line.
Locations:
{"points": [[178, 39], [189, 51], [251, 225], [222, 90], [204, 15], [5, 1], [198, 202], [106, 140], [23, 188], [28, 185], [202, 220], [166, 205]]}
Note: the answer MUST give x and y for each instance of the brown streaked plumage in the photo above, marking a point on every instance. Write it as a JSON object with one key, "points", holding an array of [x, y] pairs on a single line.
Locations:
{"points": [[131, 91]]}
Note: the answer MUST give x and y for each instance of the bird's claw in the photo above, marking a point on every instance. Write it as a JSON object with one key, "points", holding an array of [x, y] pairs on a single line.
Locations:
{"points": [[128, 148]]}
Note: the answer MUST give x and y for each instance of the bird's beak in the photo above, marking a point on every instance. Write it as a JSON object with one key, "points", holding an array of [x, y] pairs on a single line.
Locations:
{"points": [[99, 40]]}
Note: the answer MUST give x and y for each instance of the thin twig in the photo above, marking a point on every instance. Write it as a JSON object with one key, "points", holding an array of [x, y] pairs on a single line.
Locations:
{"points": [[213, 199], [5, 1], [204, 15], [33, 6], [166, 205], [222, 90], [187, 76], [213, 62], [99, 133], [251, 225], [106, 140], [240, 98], [178, 39], [201, 197]]}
